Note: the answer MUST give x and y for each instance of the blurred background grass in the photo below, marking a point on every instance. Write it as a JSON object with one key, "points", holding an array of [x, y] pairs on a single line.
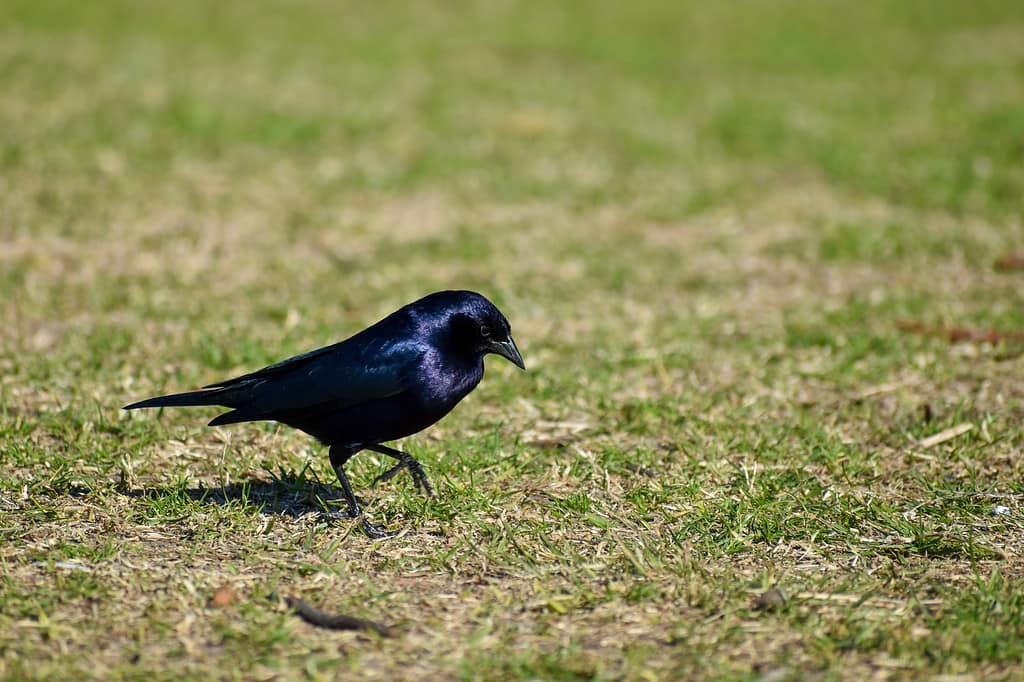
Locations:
{"points": [[326, 146], [669, 107]]}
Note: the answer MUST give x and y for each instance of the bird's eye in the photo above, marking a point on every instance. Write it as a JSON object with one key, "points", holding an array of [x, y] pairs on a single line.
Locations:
{"points": [[485, 331]]}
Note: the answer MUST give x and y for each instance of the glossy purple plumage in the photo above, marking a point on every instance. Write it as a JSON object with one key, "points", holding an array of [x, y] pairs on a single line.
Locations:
{"points": [[389, 381]]}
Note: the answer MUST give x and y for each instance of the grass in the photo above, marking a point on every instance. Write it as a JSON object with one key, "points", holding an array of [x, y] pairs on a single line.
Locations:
{"points": [[706, 224]]}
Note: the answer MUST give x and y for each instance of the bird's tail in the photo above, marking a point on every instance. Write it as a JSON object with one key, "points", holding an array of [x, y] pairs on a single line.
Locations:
{"points": [[203, 397]]}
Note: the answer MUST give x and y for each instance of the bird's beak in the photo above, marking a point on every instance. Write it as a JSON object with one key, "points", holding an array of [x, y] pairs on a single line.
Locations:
{"points": [[507, 349]]}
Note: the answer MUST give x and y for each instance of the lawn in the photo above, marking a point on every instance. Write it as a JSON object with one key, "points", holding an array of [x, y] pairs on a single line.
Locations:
{"points": [[732, 240]]}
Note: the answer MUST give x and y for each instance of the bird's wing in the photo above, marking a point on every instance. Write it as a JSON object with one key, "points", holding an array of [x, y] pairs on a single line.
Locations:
{"points": [[333, 377], [292, 363]]}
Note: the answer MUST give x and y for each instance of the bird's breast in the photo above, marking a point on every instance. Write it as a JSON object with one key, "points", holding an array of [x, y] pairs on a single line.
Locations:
{"points": [[443, 382]]}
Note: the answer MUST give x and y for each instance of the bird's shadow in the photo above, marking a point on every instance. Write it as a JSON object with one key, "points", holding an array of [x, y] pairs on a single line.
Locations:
{"points": [[289, 495]]}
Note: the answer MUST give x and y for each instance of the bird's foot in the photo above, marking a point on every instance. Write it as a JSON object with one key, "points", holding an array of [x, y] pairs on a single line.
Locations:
{"points": [[419, 476], [374, 530]]}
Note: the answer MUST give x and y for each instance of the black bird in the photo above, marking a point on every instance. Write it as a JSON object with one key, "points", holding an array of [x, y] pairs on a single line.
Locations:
{"points": [[389, 381]]}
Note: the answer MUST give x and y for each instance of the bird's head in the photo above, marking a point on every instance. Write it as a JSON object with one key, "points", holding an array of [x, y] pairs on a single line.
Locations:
{"points": [[477, 326]]}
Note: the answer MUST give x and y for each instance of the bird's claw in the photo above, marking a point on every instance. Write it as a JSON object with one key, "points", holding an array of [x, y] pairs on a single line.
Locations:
{"points": [[374, 530], [419, 476]]}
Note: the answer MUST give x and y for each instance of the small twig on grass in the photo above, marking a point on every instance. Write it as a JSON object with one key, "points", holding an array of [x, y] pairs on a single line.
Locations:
{"points": [[881, 389], [961, 334], [868, 599], [315, 616], [944, 435]]}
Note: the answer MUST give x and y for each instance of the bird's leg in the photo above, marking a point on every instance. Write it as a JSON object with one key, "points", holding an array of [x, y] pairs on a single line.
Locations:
{"points": [[338, 458], [405, 461]]}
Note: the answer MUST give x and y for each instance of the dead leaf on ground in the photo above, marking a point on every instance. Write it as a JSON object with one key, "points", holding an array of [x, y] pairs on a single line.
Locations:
{"points": [[224, 596], [962, 334], [1010, 261]]}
